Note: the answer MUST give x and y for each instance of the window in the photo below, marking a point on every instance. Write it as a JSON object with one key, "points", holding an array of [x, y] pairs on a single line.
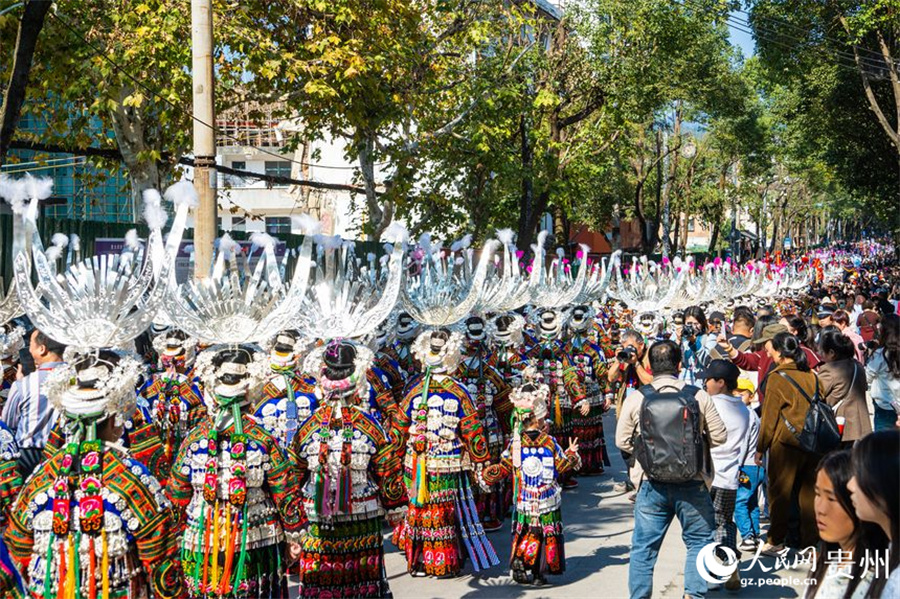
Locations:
{"points": [[278, 225], [237, 180], [691, 225], [278, 168]]}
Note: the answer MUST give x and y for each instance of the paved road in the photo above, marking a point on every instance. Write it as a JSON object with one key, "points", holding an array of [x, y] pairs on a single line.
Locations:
{"points": [[598, 526]]}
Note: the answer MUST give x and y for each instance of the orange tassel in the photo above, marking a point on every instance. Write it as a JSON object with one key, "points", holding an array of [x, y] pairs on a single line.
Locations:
{"points": [[92, 579]]}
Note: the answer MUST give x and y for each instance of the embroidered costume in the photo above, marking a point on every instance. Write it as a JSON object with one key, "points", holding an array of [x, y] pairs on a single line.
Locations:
{"points": [[535, 461], [561, 376], [238, 491], [590, 365], [10, 480], [490, 394], [353, 475], [445, 438]]}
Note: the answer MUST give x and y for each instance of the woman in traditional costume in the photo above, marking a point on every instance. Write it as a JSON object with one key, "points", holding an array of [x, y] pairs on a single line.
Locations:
{"points": [[353, 478], [561, 376], [490, 393], [590, 364], [92, 521], [170, 400], [288, 394], [445, 438], [535, 462], [237, 490]]}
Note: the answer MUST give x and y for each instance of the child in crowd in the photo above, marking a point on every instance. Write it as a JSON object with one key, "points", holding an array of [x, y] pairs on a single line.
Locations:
{"points": [[750, 477], [535, 461], [721, 379]]}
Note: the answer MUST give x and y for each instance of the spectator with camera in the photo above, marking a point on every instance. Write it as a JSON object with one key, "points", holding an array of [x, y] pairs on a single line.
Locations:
{"points": [[695, 343], [669, 450], [629, 369]]}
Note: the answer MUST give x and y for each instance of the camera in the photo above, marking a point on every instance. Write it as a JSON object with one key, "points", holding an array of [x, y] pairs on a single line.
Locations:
{"points": [[688, 330], [626, 354]]}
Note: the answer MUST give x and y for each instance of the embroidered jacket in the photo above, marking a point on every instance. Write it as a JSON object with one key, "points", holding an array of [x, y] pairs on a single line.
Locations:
{"points": [[138, 544], [281, 413]]}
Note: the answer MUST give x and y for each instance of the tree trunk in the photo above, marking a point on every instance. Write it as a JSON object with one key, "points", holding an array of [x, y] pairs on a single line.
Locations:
{"points": [[670, 181], [526, 198], [379, 216], [714, 238], [33, 15], [143, 173]]}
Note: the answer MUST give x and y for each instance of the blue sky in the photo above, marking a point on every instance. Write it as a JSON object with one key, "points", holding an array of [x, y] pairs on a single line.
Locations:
{"points": [[740, 39]]}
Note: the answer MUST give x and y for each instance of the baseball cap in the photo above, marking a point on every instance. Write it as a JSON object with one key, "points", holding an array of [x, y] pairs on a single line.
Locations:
{"points": [[745, 385], [720, 369], [769, 331]]}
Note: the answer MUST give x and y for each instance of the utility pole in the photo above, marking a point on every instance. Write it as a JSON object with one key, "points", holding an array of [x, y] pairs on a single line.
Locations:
{"points": [[204, 135]]}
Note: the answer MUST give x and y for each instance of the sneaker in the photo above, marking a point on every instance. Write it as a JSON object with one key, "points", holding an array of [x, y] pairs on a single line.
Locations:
{"points": [[770, 550], [749, 544], [734, 583]]}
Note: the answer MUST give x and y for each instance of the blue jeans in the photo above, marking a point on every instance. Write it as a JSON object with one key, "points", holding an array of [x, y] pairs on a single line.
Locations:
{"points": [[654, 508], [746, 506], [884, 419]]}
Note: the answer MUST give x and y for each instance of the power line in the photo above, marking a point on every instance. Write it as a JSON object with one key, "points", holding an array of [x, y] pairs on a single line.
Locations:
{"points": [[100, 53], [875, 53], [847, 61], [872, 63]]}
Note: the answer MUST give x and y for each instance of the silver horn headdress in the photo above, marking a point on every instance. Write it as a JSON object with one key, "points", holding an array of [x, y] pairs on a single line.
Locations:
{"points": [[103, 301], [347, 298], [235, 304], [552, 284], [443, 286]]}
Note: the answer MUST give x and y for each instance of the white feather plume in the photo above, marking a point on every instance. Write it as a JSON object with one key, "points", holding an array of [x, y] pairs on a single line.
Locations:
{"points": [[13, 192], [263, 240], [132, 241], [505, 236], [75, 242], [461, 244], [183, 192], [154, 214], [53, 253], [395, 233], [38, 188], [60, 240], [542, 238], [227, 245], [307, 224]]}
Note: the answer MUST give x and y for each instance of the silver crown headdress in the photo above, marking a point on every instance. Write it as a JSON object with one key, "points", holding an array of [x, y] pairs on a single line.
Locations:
{"points": [[236, 304], [443, 287], [552, 284], [100, 302], [506, 287], [347, 298], [598, 279]]}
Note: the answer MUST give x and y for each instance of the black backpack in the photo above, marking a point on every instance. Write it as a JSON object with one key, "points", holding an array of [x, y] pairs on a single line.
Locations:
{"points": [[820, 432], [670, 444]]}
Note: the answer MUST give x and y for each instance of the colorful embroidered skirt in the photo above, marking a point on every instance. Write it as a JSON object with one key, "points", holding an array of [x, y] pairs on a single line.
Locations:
{"points": [[591, 442], [537, 548], [265, 575], [344, 560], [439, 534]]}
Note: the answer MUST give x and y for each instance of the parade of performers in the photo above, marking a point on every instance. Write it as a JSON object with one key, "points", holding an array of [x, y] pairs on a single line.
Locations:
{"points": [[301, 419]]}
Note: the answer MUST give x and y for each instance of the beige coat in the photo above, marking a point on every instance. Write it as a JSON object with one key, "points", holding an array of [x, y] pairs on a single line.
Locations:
{"points": [[835, 379], [628, 419]]}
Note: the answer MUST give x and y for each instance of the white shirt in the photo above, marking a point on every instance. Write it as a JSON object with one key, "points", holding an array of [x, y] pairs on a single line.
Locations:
{"points": [[730, 456], [752, 439], [883, 388]]}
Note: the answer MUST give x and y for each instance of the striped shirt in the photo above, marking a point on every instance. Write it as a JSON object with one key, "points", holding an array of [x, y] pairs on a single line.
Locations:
{"points": [[27, 412]]}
